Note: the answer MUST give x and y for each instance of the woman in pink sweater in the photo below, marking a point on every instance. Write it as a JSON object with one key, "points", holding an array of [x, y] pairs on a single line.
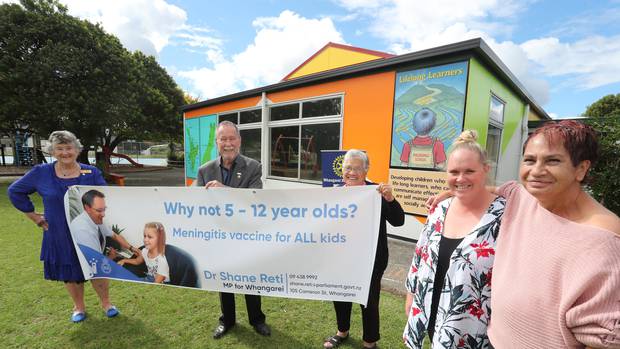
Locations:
{"points": [[556, 277]]}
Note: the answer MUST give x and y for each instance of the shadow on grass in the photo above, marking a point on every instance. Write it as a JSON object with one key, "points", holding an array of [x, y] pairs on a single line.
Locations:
{"points": [[243, 335], [118, 332]]}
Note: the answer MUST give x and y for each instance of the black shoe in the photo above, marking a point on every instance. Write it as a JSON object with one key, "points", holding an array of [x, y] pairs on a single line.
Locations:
{"points": [[220, 331], [262, 329]]}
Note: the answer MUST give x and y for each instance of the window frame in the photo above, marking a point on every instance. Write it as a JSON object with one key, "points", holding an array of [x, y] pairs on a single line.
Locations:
{"points": [[300, 121], [503, 103], [499, 125], [248, 126], [238, 112]]}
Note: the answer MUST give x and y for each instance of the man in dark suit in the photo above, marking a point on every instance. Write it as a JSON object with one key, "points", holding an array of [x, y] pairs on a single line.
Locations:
{"points": [[231, 169]]}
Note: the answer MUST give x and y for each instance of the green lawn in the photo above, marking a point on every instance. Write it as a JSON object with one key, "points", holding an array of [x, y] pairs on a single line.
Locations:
{"points": [[34, 313]]}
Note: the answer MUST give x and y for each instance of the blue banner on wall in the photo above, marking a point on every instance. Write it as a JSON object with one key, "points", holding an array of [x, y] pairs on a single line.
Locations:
{"points": [[331, 166]]}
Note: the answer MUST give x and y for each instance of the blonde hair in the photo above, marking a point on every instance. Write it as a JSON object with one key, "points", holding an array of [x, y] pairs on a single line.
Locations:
{"points": [[468, 140], [161, 235]]}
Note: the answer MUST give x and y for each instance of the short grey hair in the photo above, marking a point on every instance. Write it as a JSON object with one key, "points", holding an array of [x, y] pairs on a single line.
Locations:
{"points": [[357, 154], [227, 123], [63, 137]]}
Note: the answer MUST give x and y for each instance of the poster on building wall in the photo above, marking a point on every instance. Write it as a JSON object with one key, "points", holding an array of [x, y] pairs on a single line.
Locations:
{"points": [[199, 143], [429, 105], [413, 187], [274, 242]]}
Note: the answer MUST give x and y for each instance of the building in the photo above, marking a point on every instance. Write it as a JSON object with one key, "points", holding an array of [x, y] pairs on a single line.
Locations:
{"points": [[404, 111]]}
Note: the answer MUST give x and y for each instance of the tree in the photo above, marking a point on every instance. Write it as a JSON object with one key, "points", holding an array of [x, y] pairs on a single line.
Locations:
{"points": [[60, 72], [158, 99], [604, 116]]}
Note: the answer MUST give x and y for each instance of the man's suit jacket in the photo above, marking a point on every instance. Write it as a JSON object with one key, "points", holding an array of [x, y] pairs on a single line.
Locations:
{"points": [[246, 173]]}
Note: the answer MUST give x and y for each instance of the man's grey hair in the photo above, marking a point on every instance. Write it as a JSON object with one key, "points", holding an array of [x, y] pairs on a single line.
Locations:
{"points": [[357, 154], [229, 124], [63, 137]]}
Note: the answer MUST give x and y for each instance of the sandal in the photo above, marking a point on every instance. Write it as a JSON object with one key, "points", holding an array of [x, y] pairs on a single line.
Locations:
{"points": [[78, 316], [112, 311], [335, 341]]}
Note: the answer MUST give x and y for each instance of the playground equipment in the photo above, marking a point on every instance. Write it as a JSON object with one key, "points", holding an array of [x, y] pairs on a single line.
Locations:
{"points": [[23, 155], [283, 157]]}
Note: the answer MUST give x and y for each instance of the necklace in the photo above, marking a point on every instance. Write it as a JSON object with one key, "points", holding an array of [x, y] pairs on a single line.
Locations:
{"points": [[68, 173]]}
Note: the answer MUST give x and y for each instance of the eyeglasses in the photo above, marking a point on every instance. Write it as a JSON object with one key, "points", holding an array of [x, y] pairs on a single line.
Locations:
{"points": [[100, 210], [354, 169]]}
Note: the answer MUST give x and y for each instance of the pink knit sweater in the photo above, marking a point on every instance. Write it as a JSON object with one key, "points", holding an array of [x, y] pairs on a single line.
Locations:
{"points": [[556, 283]]}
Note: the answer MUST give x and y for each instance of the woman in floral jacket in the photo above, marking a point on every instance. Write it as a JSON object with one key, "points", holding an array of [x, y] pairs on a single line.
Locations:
{"points": [[449, 284]]}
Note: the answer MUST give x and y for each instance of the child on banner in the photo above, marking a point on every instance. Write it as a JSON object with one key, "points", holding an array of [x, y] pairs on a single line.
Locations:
{"points": [[153, 254]]}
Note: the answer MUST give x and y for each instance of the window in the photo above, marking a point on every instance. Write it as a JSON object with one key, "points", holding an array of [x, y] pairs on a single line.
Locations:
{"points": [[494, 135], [315, 138], [250, 134], [284, 112], [242, 117], [250, 116], [250, 143], [496, 110], [232, 117], [284, 151], [296, 139], [324, 107]]}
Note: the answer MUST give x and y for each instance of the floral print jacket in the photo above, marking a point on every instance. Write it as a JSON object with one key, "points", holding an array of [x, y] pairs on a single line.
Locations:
{"points": [[464, 305]]}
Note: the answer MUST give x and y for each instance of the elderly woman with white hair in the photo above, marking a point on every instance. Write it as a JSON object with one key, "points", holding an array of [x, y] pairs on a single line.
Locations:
{"points": [[50, 181], [354, 169]]}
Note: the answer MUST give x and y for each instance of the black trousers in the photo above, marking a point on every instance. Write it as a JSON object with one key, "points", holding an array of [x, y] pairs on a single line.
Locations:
{"points": [[252, 303], [370, 313]]}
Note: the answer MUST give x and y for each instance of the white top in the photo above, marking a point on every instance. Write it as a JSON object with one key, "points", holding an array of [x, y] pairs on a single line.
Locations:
{"points": [[157, 265], [85, 231]]}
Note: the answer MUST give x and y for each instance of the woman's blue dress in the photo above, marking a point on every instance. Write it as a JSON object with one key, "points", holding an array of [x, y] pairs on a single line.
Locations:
{"points": [[58, 254]]}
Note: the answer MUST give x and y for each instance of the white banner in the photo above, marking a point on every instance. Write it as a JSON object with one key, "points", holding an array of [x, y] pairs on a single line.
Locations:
{"points": [[295, 243]]}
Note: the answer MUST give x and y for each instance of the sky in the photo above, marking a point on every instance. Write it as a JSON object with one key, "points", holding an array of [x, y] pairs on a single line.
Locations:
{"points": [[565, 52]]}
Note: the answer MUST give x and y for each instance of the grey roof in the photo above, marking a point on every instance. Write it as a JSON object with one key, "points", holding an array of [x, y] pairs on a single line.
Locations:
{"points": [[437, 55]]}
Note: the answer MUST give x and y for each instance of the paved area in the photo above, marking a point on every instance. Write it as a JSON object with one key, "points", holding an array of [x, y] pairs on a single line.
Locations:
{"points": [[401, 252], [153, 177]]}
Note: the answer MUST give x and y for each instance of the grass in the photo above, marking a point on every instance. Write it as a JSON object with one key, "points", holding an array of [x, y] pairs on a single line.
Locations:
{"points": [[34, 313]]}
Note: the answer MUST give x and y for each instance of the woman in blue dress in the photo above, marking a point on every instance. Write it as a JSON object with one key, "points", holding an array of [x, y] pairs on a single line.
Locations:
{"points": [[50, 181]]}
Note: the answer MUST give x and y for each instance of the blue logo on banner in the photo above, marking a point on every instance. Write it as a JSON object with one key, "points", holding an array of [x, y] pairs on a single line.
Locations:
{"points": [[331, 166], [102, 266]]}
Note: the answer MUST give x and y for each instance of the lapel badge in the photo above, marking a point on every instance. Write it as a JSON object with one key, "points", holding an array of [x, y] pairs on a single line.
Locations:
{"points": [[238, 175]]}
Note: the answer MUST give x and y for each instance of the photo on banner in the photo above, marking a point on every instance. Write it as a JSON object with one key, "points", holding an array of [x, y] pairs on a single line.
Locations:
{"points": [[274, 242]]}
